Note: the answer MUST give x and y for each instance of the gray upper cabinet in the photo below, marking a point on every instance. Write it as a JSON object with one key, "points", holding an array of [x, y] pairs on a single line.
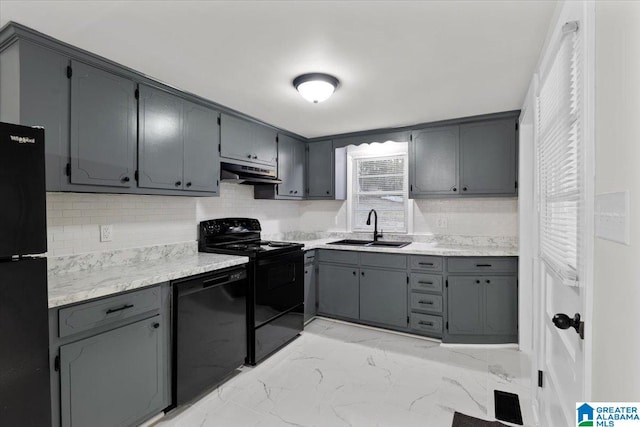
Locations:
{"points": [[383, 297], [115, 378], [201, 148], [433, 164], [161, 139], [290, 166], [178, 143], [488, 157], [103, 127], [320, 170], [247, 141], [35, 79]]}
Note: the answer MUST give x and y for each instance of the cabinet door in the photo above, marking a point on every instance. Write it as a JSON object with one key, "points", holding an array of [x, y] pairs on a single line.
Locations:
{"points": [[201, 156], [320, 171], [501, 305], [247, 141], [44, 101], [434, 161], [161, 139], [465, 305], [383, 297], [115, 378], [290, 166], [310, 291], [338, 289], [488, 157], [103, 127], [265, 147]]}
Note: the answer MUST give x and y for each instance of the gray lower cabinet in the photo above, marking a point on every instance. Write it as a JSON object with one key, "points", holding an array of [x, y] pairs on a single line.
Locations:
{"points": [[338, 291], [103, 127], [110, 359], [320, 170], [310, 286], [291, 153], [114, 378], [383, 297], [482, 309], [247, 141]]}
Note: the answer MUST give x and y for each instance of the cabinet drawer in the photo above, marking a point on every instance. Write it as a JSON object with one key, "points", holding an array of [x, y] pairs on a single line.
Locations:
{"points": [[426, 302], [109, 310], [341, 257], [426, 282], [482, 265], [426, 323], [383, 260], [431, 263]]}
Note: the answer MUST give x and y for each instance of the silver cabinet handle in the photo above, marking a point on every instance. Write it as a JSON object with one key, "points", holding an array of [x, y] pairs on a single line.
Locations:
{"points": [[425, 323], [425, 283], [426, 302]]}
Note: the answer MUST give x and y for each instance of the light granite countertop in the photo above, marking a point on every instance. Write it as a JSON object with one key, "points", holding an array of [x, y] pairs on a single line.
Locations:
{"points": [[70, 287], [417, 248]]}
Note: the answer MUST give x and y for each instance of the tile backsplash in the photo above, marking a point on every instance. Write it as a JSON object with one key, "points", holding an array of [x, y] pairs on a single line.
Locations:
{"points": [[74, 219]]}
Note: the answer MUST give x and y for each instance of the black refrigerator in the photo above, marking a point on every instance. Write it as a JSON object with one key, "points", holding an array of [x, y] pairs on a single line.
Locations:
{"points": [[24, 344]]}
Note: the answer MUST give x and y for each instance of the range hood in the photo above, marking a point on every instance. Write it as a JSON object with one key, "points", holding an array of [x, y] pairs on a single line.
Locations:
{"points": [[242, 174]]}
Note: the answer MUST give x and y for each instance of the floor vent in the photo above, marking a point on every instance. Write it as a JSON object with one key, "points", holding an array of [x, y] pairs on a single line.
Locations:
{"points": [[507, 407]]}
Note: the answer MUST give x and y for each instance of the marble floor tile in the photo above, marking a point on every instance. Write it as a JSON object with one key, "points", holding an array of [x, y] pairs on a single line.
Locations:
{"points": [[338, 374]]}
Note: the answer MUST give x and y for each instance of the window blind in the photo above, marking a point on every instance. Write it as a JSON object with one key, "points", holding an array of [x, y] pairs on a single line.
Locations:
{"points": [[380, 183], [560, 159]]}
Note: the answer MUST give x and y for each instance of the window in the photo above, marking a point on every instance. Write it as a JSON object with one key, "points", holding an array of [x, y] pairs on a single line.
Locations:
{"points": [[560, 159], [379, 181]]}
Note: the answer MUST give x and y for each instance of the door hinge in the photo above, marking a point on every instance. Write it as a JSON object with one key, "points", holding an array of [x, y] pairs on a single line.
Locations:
{"points": [[277, 139], [446, 283], [136, 176], [407, 279], [56, 364], [540, 379], [220, 148], [516, 125], [69, 71], [137, 93], [411, 137], [219, 121], [411, 187], [516, 185], [408, 321], [67, 169], [447, 326], [317, 304], [217, 183]]}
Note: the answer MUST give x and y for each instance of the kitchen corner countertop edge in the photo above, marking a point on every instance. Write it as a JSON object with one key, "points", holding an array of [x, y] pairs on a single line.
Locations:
{"points": [[417, 248], [74, 287]]}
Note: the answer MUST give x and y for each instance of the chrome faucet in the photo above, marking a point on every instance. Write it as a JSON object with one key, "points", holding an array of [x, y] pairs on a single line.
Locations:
{"points": [[375, 224]]}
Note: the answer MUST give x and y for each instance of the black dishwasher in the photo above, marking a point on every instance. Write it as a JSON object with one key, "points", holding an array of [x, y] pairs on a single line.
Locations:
{"points": [[210, 326]]}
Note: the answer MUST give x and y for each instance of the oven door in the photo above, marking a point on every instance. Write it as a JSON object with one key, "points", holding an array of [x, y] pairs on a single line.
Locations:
{"points": [[279, 285]]}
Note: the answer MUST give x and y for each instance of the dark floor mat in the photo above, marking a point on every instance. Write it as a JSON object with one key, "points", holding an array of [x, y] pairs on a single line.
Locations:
{"points": [[462, 420], [507, 407]]}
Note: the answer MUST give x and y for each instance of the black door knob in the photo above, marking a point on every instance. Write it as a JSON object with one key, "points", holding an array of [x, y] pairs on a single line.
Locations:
{"points": [[455, 189], [562, 321], [156, 325], [178, 183], [328, 192], [464, 188], [188, 184], [354, 273], [126, 179]]}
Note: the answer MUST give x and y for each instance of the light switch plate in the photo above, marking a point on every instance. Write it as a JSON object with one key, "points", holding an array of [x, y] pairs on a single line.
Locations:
{"points": [[106, 233], [612, 219]]}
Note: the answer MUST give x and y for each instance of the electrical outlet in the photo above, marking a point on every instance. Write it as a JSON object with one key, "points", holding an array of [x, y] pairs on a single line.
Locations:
{"points": [[106, 233], [442, 222]]}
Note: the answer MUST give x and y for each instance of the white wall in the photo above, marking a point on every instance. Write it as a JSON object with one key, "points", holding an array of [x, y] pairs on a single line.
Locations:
{"points": [[616, 313], [469, 217]]}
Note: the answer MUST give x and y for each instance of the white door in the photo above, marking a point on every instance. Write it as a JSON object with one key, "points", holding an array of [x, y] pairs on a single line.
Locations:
{"points": [[564, 175]]}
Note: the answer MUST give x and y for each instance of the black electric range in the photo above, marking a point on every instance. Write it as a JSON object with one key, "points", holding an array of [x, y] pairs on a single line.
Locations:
{"points": [[275, 298]]}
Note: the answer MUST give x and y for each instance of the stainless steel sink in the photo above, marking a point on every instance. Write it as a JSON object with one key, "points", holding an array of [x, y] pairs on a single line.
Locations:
{"points": [[369, 243]]}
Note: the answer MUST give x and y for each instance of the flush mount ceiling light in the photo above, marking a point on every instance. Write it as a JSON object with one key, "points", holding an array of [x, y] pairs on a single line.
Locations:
{"points": [[315, 87]]}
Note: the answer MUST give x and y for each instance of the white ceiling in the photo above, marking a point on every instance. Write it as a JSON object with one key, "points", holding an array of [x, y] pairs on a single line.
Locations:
{"points": [[399, 62]]}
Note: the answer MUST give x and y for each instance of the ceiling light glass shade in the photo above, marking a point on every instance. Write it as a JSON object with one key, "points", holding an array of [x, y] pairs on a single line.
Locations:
{"points": [[315, 87]]}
